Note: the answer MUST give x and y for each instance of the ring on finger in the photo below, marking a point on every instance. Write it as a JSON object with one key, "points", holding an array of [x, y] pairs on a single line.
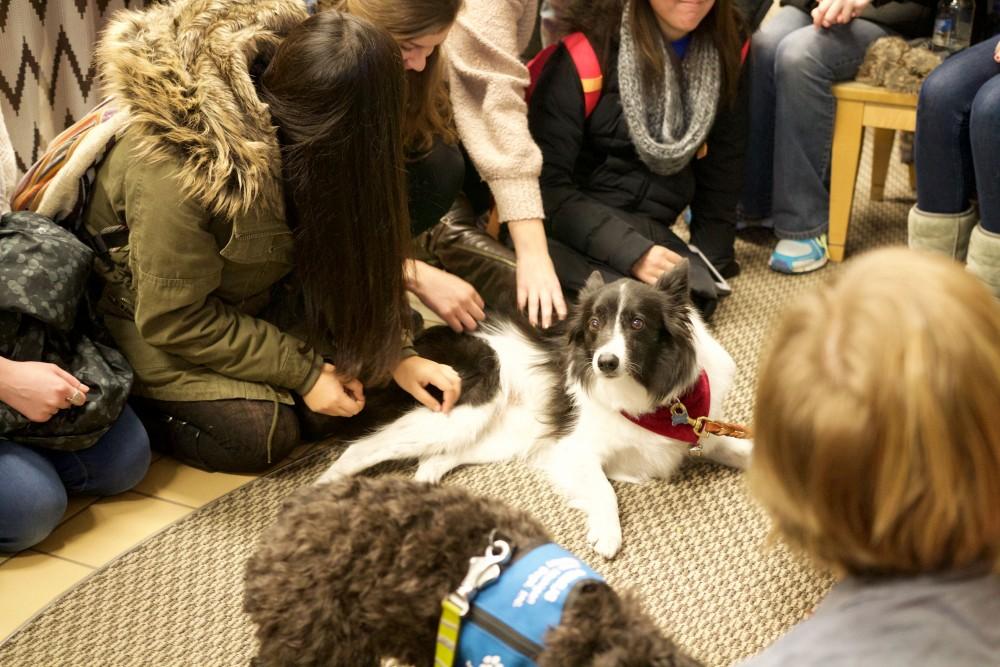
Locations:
{"points": [[76, 398]]}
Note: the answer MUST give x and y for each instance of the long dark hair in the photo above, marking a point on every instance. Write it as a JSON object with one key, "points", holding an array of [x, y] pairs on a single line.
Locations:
{"points": [[335, 90], [601, 21]]}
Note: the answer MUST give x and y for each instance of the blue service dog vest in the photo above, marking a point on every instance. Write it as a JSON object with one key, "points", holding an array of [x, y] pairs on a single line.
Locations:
{"points": [[510, 616]]}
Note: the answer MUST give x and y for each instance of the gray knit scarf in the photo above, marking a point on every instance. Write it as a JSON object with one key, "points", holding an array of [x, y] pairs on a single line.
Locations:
{"points": [[668, 130]]}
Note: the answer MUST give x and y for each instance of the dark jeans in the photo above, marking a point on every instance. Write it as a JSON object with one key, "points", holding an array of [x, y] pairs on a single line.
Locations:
{"points": [[793, 67], [957, 147], [435, 180], [35, 482]]}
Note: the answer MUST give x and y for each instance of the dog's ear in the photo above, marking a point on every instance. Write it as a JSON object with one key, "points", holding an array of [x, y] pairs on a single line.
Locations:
{"points": [[594, 281], [676, 283]]}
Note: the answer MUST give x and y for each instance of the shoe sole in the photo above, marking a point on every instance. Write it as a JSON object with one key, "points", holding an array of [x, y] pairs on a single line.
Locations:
{"points": [[806, 267]]}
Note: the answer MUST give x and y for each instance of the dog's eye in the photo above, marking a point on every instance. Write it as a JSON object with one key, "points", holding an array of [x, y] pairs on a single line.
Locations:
{"points": [[638, 323], [594, 324]]}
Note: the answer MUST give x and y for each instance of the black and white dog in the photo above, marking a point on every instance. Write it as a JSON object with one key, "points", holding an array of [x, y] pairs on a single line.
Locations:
{"points": [[584, 404]]}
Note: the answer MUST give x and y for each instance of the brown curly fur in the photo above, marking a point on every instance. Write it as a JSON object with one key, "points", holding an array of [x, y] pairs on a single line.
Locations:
{"points": [[896, 64], [355, 571]]}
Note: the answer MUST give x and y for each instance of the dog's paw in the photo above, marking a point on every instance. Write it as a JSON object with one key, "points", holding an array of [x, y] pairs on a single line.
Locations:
{"points": [[331, 475], [431, 471], [604, 535]]}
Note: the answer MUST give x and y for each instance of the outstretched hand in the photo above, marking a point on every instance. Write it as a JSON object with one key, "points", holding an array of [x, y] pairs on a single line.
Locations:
{"points": [[414, 374], [452, 299], [538, 289]]}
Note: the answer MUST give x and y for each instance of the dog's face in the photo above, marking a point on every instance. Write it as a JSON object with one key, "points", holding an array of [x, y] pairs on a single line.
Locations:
{"points": [[631, 344]]}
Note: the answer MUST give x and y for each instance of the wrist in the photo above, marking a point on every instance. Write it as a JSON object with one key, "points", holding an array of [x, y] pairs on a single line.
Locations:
{"points": [[529, 238], [7, 368]]}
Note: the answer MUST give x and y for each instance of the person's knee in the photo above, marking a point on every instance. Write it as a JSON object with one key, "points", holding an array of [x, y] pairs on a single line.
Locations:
{"points": [[255, 444], [32, 502], [797, 57], [129, 461], [938, 95], [984, 120]]}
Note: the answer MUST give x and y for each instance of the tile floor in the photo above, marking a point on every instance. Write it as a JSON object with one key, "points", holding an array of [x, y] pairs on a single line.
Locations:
{"points": [[96, 530]]}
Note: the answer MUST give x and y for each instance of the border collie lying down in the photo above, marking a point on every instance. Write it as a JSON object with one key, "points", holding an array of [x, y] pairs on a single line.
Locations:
{"points": [[584, 404]]}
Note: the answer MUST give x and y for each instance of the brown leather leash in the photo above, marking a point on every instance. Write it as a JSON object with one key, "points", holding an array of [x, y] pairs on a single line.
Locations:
{"points": [[703, 425]]}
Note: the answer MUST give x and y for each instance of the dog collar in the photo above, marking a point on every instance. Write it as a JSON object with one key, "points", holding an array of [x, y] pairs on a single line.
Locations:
{"points": [[508, 617], [679, 419]]}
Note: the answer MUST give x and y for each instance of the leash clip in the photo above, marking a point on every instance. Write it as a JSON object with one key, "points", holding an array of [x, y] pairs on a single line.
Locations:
{"points": [[679, 417], [483, 570]]}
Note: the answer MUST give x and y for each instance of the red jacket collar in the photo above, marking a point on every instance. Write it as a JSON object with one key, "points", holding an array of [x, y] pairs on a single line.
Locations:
{"points": [[697, 400]]}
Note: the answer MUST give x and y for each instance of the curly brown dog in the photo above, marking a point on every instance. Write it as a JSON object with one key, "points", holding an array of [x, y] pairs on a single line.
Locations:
{"points": [[355, 571]]}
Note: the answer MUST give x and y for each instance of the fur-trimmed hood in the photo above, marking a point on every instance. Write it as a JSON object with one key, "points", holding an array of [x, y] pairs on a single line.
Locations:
{"points": [[181, 69]]}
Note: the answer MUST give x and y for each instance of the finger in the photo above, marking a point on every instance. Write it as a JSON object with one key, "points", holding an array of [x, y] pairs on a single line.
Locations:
{"points": [[846, 13], [452, 321], [73, 382], [533, 307], [425, 398], [468, 321], [356, 389], [348, 406], [546, 305], [522, 295], [84, 388], [451, 390], [559, 303], [479, 300], [477, 311]]}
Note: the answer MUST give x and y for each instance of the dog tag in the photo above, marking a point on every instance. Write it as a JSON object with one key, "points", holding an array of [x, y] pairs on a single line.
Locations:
{"points": [[678, 414]]}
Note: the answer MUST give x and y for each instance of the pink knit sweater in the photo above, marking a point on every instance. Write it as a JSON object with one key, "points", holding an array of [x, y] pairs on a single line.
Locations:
{"points": [[488, 82]]}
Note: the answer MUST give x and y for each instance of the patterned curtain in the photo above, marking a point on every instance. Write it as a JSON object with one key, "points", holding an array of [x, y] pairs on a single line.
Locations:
{"points": [[47, 73]]}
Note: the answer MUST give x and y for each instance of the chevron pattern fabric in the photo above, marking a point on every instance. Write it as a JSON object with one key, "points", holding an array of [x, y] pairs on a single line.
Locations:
{"points": [[47, 72]]}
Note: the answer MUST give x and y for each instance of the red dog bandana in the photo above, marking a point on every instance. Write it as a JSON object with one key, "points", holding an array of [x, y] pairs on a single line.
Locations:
{"points": [[662, 422]]}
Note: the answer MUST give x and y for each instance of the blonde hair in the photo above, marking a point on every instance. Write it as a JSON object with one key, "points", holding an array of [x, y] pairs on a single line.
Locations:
{"points": [[876, 446], [427, 106]]}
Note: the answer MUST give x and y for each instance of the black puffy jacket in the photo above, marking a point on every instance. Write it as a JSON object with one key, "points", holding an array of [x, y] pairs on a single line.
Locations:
{"points": [[603, 202]]}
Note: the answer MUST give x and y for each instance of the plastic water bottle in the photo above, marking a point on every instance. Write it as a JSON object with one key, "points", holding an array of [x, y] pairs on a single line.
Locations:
{"points": [[953, 25]]}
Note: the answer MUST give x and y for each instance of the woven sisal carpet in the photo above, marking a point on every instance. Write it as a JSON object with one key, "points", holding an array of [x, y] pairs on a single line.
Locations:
{"points": [[694, 547]]}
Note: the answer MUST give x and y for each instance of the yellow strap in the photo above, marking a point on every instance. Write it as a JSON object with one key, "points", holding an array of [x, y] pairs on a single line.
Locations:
{"points": [[592, 85], [447, 639]]}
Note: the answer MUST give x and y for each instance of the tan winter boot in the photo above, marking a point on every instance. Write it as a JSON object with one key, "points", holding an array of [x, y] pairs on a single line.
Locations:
{"points": [[945, 233], [984, 258]]}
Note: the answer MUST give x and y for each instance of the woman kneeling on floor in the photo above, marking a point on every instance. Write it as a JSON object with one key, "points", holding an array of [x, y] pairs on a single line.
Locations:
{"points": [[231, 358], [667, 133], [877, 454]]}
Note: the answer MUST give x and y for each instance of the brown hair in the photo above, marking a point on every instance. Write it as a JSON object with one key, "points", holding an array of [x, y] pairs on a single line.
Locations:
{"points": [[428, 107], [335, 90], [601, 21], [877, 449]]}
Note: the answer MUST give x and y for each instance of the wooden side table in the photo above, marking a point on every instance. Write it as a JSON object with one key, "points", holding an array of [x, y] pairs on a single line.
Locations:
{"points": [[860, 106]]}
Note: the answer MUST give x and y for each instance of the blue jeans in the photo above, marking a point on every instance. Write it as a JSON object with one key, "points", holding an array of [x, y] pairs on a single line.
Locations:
{"points": [[34, 481], [792, 68], [957, 148]]}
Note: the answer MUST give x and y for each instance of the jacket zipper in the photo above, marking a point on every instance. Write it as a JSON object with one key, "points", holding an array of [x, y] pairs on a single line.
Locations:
{"points": [[489, 255], [505, 633]]}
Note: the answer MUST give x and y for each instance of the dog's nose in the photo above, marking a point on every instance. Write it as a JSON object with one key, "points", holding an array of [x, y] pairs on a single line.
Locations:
{"points": [[607, 363]]}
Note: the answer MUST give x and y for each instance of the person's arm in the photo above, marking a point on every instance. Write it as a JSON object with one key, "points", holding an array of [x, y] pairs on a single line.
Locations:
{"points": [[719, 179], [176, 268], [488, 82], [575, 218]]}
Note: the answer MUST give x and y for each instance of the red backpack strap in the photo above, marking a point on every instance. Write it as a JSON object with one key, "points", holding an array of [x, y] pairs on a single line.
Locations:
{"points": [[745, 51], [588, 68]]}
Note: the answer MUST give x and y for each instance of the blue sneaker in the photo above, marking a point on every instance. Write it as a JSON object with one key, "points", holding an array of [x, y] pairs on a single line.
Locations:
{"points": [[800, 256]]}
